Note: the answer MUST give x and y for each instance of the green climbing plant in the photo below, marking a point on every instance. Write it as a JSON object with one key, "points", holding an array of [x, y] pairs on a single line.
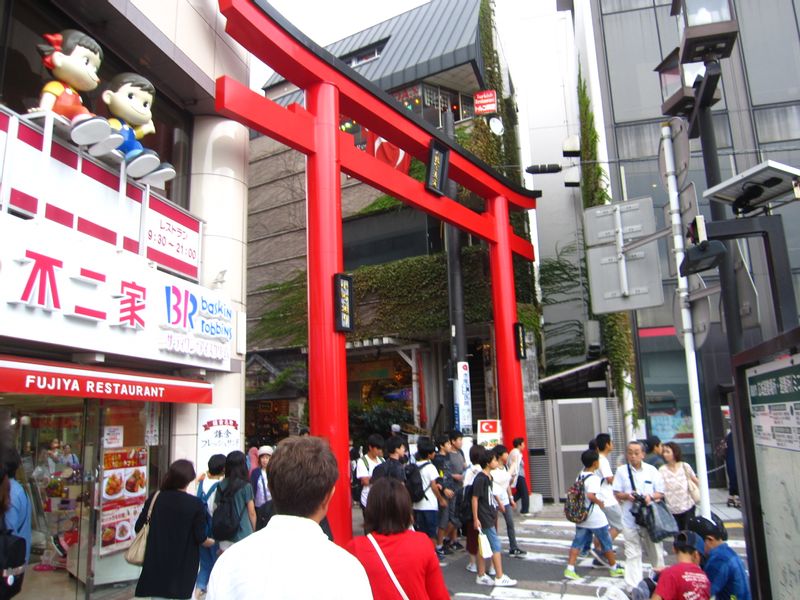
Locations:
{"points": [[615, 328]]}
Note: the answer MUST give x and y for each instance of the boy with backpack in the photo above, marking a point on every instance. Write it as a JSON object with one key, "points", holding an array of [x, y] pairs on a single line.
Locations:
{"points": [[206, 490], [580, 509]]}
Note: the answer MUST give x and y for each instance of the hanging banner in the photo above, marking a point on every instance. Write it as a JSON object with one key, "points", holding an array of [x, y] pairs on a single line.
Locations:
{"points": [[462, 398]]}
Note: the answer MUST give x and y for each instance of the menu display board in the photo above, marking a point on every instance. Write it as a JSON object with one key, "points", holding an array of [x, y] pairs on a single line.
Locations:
{"points": [[122, 496]]}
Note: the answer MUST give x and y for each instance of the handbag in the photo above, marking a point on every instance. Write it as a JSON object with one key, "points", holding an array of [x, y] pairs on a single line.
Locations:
{"points": [[694, 489], [385, 562], [135, 553], [661, 523], [484, 547]]}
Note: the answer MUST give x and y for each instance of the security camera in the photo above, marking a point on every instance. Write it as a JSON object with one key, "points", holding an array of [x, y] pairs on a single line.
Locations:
{"points": [[769, 182]]}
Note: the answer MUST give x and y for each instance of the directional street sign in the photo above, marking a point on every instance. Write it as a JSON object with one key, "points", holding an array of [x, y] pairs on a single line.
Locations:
{"points": [[638, 221], [644, 279], [689, 210], [701, 313], [620, 277], [680, 146]]}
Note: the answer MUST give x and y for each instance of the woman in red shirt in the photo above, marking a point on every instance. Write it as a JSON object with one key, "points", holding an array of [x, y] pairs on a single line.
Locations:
{"points": [[410, 554]]}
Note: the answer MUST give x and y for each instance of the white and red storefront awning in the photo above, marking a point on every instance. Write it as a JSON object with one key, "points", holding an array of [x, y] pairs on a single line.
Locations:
{"points": [[45, 378]]}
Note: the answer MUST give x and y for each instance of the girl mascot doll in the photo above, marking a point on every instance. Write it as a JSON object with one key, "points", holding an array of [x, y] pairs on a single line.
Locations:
{"points": [[73, 58], [130, 100]]}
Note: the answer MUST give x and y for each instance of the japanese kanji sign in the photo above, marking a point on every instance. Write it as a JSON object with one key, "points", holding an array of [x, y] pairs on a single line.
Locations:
{"points": [[61, 288], [218, 432]]}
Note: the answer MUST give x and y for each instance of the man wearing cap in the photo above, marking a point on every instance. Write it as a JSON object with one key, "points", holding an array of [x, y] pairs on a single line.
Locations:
{"points": [[684, 580], [723, 566], [258, 478]]}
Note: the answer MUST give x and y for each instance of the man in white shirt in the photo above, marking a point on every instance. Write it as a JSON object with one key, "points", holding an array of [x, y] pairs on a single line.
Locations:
{"points": [[646, 482], [367, 463], [291, 558]]}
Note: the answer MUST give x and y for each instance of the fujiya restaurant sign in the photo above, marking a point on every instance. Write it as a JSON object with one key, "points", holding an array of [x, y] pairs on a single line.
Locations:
{"points": [[60, 288], [57, 379]]}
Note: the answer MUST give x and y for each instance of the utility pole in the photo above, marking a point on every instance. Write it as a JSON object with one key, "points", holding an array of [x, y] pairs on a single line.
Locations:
{"points": [[460, 394], [687, 325]]}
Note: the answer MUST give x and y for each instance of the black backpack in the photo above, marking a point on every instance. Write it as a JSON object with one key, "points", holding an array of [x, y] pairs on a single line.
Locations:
{"points": [[226, 519], [465, 508], [414, 481], [12, 562]]}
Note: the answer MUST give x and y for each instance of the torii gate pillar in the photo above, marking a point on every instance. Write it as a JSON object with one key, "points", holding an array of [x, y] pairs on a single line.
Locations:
{"points": [[327, 359]]}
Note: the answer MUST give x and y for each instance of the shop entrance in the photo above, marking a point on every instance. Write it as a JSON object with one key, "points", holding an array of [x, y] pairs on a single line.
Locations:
{"points": [[87, 468]]}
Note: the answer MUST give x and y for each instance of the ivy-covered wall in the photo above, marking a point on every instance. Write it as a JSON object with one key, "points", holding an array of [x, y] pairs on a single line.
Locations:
{"points": [[615, 328]]}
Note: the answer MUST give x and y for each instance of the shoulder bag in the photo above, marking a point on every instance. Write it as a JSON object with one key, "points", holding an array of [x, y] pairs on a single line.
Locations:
{"points": [[135, 553], [388, 568], [694, 490]]}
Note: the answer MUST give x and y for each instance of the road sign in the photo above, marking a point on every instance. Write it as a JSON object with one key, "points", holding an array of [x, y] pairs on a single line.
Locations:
{"points": [[701, 313], [680, 147], [689, 210], [638, 221], [643, 274], [749, 310]]}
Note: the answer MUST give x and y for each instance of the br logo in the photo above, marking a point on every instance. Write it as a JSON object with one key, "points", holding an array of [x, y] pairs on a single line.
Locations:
{"points": [[181, 307]]}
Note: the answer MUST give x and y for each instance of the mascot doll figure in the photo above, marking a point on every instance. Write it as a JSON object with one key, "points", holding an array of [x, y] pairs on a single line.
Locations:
{"points": [[73, 58], [130, 100]]}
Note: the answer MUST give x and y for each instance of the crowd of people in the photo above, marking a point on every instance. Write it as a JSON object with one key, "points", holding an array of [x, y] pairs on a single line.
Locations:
{"points": [[208, 534], [652, 472]]}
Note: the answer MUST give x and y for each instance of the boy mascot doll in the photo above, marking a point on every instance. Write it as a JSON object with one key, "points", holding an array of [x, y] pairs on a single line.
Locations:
{"points": [[73, 58], [130, 101]]}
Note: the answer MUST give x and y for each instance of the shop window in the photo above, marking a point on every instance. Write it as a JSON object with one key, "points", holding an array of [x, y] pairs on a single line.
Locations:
{"points": [[22, 76]]}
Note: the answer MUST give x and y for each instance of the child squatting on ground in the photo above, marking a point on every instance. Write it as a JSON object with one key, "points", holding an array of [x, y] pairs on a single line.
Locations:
{"points": [[596, 523]]}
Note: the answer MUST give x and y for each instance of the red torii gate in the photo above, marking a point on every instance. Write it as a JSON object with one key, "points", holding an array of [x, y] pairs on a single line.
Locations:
{"points": [[332, 89]]}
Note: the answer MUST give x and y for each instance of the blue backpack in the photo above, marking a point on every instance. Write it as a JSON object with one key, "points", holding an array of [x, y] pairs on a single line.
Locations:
{"points": [[204, 496]]}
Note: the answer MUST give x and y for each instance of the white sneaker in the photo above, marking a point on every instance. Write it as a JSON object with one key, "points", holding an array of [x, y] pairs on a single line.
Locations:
{"points": [[491, 571], [505, 581], [485, 580], [471, 568]]}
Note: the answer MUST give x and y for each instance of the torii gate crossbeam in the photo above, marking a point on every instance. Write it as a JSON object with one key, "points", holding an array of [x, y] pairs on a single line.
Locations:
{"points": [[332, 89]]}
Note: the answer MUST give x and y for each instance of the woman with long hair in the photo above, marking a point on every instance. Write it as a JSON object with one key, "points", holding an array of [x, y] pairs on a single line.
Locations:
{"points": [[177, 530], [391, 547], [236, 487], [676, 475]]}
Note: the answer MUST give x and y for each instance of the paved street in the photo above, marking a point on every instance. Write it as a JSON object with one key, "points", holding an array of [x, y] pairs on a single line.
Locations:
{"points": [[547, 537]]}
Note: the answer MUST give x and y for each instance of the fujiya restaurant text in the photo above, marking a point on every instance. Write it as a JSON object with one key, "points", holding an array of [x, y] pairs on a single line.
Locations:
{"points": [[92, 387]]}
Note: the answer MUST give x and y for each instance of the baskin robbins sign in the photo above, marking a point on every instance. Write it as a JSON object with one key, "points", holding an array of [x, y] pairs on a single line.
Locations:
{"points": [[62, 288]]}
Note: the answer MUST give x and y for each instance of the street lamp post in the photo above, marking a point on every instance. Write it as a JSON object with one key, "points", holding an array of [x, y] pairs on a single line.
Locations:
{"points": [[689, 78]]}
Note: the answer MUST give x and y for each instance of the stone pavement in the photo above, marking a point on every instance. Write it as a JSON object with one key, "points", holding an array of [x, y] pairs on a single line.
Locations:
{"points": [[546, 537]]}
